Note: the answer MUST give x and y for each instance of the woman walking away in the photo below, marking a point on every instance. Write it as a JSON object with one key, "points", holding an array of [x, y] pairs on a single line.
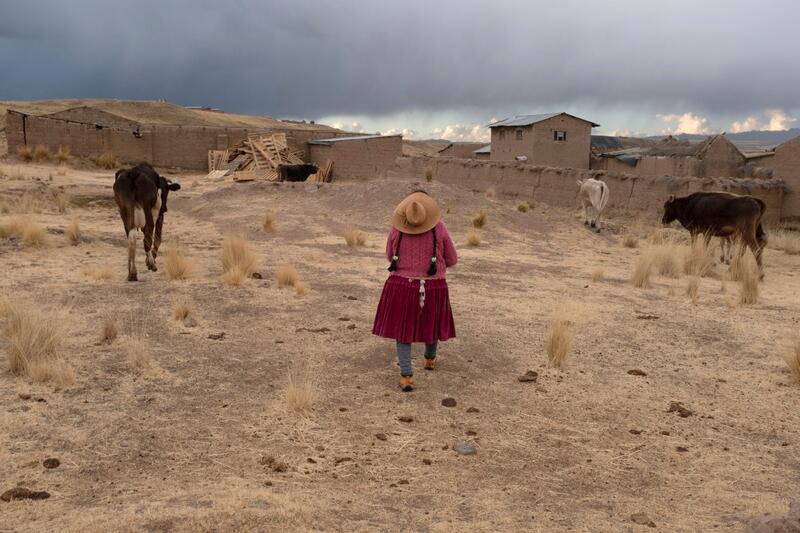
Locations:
{"points": [[415, 303]]}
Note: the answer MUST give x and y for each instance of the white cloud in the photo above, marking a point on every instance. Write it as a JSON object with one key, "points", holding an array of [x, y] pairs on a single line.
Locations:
{"points": [[353, 127], [776, 120], [624, 133], [685, 123], [458, 132], [407, 133]]}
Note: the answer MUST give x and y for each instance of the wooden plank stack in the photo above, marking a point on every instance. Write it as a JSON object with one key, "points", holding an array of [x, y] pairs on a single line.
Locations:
{"points": [[257, 157], [324, 174]]}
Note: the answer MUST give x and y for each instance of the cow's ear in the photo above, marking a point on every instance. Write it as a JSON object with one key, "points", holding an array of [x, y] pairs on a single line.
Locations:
{"points": [[174, 186], [671, 197]]}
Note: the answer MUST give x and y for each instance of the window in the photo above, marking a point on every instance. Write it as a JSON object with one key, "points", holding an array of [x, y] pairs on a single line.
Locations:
{"points": [[519, 134], [559, 135]]}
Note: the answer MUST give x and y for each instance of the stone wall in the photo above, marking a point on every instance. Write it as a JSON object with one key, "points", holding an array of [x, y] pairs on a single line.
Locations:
{"points": [[358, 158], [558, 186]]}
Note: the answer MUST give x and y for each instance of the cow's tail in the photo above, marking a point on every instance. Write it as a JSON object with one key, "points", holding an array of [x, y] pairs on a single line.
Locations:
{"points": [[761, 235], [604, 193]]}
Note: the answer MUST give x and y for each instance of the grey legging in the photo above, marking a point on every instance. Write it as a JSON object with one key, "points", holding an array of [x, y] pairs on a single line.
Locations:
{"points": [[404, 356]]}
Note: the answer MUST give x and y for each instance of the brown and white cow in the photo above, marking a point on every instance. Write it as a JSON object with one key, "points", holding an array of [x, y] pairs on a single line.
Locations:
{"points": [[141, 195]]}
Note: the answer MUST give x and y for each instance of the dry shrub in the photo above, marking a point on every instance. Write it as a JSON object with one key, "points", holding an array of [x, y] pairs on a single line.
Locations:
{"points": [[354, 237], [792, 358], [699, 260], [668, 236], [479, 221], [63, 155], [559, 337], [25, 153], [41, 153], [268, 225], [99, 273], [238, 260], [748, 279], [62, 201], [299, 392], [177, 265], [287, 276], [109, 331], [629, 240], [34, 338], [106, 160], [643, 268], [692, 287], [666, 262], [428, 175], [489, 193], [473, 238], [33, 235], [598, 274], [522, 208], [138, 355], [786, 240], [301, 289], [73, 232], [182, 309]]}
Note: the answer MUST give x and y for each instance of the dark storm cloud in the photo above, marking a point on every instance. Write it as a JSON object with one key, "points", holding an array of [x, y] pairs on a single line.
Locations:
{"points": [[314, 57]]}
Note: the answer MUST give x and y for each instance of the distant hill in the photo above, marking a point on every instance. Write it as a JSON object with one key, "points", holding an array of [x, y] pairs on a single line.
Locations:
{"points": [[746, 140]]}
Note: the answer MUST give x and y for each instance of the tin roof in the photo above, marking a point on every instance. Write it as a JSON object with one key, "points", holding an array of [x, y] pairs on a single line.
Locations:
{"points": [[487, 149], [527, 120]]}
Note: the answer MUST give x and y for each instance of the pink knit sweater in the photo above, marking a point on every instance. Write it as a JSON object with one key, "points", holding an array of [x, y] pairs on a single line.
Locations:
{"points": [[416, 252]]}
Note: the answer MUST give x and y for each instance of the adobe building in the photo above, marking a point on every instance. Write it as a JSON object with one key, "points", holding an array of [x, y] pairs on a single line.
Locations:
{"points": [[462, 150], [552, 139], [160, 133], [716, 157], [785, 165], [356, 157], [484, 152]]}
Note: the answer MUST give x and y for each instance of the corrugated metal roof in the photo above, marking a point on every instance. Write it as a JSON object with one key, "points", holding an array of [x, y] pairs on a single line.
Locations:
{"points": [[527, 120], [484, 150], [351, 138]]}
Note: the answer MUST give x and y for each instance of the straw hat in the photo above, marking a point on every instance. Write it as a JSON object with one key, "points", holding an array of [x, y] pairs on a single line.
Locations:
{"points": [[416, 214]]}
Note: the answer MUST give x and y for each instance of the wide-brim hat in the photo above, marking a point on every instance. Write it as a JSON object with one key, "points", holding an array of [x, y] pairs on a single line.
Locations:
{"points": [[417, 213]]}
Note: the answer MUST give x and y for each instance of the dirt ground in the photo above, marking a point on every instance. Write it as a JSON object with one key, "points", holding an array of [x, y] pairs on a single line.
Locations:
{"points": [[206, 441]]}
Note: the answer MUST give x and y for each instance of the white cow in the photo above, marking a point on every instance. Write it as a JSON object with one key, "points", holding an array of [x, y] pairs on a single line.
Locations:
{"points": [[593, 194]]}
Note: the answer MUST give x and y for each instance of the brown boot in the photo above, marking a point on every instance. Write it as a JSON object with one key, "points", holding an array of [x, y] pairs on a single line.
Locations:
{"points": [[406, 383], [430, 364]]}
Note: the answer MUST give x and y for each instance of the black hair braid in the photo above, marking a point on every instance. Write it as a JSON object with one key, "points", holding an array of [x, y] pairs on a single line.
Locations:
{"points": [[433, 267], [396, 256]]}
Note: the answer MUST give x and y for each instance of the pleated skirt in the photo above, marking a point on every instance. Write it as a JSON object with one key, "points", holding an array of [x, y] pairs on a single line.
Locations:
{"points": [[401, 317]]}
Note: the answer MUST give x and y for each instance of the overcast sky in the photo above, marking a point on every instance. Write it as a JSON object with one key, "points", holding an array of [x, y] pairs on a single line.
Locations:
{"points": [[427, 67]]}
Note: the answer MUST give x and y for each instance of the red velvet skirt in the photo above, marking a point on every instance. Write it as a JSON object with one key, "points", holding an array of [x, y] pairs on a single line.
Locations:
{"points": [[401, 317]]}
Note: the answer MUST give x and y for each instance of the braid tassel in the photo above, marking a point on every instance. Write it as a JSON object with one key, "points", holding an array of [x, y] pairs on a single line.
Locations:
{"points": [[433, 268]]}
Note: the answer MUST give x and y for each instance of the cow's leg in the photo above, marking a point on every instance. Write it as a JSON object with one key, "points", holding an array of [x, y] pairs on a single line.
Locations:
{"points": [[157, 239], [149, 230], [585, 213], [726, 246], [132, 274]]}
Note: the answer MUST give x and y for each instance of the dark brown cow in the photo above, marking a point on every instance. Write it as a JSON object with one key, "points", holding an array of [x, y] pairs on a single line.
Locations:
{"points": [[295, 172], [720, 214], [141, 195]]}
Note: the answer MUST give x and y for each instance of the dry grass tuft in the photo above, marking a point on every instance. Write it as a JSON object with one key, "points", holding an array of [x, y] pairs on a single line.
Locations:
{"points": [[177, 265], [699, 260], [41, 153], [62, 201], [301, 289], [25, 153], [692, 287], [287, 276], [489, 193], [34, 338], [792, 358], [354, 236], [665, 258], [748, 279], [643, 268], [473, 238], [479, 221], [268, 225], [428, 175], [559, 338], [299, 392], [99, 273], [182, 309], [33, 235], [522, 208], [63, 155], [73, 232], [598, 274], [238, 260], [138, 355], [109, 331], [786, 240], [106, 160]]}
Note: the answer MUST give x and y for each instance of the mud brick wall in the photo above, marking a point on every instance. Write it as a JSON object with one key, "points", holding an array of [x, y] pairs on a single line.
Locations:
{"points": [[558, 186], [358, 159]]}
